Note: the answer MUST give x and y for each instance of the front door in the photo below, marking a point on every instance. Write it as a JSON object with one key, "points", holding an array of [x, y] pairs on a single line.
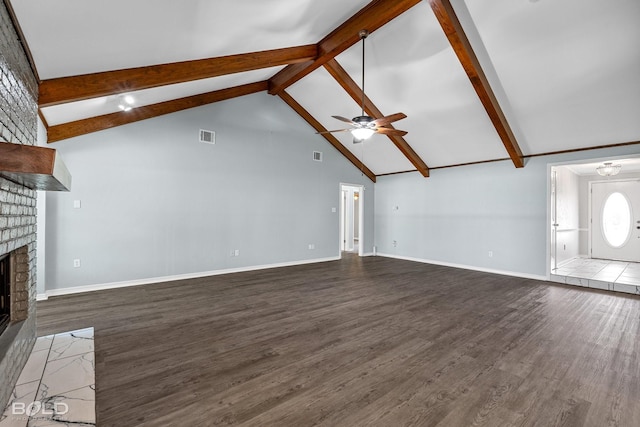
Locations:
{"points": [[615, 220]]}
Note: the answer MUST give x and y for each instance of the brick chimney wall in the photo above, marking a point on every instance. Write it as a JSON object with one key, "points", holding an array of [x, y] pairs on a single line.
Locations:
{"points": [[18, 125]]}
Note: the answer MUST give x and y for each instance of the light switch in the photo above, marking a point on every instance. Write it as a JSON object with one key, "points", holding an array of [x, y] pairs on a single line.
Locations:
{"points": [[77, 204]]}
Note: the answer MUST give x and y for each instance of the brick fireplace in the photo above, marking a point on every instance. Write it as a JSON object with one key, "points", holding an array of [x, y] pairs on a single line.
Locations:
{"points": [[18, 125]]}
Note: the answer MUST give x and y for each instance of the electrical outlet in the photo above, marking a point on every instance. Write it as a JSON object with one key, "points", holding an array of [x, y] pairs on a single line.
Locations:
{"points": [[490, 254], [76, 263], [395, 243], [312, 246], [236, 252], [77, 204]]}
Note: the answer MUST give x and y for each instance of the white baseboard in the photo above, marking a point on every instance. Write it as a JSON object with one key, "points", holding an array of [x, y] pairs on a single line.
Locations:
{"points": [[467, 267], [114, 285]]}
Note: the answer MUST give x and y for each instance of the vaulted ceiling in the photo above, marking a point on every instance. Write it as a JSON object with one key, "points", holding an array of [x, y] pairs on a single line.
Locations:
{"points": [[480, 80]]}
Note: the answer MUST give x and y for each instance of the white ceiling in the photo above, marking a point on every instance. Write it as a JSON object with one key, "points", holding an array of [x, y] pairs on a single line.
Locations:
{"points": [[72, 37], [566, 73], [570, 68]]}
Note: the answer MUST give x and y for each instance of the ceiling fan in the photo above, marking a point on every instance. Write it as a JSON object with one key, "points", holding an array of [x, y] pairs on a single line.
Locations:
{"points": [[364, 126]]}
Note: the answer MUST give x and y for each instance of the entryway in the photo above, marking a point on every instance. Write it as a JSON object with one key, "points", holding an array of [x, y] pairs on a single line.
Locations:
{"points": [[594, 223]]}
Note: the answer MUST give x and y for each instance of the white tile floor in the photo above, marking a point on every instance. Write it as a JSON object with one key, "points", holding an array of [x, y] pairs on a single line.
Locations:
{"points": [[599, 273], [57, 385]]}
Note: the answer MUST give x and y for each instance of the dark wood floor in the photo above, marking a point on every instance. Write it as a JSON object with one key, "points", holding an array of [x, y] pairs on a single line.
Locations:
{"points": [[370, 342]]}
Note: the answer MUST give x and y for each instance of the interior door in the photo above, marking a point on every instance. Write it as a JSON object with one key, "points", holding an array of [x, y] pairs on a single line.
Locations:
{"points": [[615, 220]]}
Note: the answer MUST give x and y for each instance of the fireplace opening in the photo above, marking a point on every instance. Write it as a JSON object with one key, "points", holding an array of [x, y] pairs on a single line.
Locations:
{"points": [[5, 293], [14, 287]]}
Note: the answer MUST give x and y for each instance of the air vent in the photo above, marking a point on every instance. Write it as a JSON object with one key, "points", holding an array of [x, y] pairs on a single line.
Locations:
{"points": [[207, 136], [317, 156]]}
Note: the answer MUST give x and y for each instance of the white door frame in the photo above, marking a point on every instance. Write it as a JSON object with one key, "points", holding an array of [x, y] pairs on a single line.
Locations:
{"points": [[361, 197], [553, 249]]}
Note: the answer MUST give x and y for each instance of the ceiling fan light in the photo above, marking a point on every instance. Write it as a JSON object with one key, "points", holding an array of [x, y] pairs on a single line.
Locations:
{"points": [[362, 133]]}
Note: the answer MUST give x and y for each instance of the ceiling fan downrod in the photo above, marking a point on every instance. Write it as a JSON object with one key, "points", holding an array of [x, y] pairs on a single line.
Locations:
{"points": [[363, 35]]}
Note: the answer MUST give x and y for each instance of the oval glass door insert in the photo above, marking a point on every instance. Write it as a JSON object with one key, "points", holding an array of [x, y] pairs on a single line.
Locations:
{"points": [[616, 220]]}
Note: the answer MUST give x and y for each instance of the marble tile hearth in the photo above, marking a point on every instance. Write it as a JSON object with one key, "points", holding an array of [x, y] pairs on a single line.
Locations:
{"points": [[57, 385]]}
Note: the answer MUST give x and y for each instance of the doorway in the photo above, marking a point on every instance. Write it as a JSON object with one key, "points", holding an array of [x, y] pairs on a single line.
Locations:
{"points": [[351, 215], [593, 219]]}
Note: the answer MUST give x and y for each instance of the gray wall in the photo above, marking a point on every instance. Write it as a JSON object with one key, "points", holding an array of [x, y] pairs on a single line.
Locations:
{"points": [[460, 214], [155, 202], [41, 225]]}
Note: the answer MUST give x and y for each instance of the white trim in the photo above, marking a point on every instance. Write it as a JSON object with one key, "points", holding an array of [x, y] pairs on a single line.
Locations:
{"points": [[149, 281], [42, 297], [468, 267], [590, 220], [552, 186], [361, 196], [361, 221]]}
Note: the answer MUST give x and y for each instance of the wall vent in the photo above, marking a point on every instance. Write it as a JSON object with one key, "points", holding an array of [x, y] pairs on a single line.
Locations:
{"points": [[317, 156], [207, 136]]}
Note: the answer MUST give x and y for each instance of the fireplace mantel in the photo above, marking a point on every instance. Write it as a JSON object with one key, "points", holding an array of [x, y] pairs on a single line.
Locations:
{"points": [[37, 168]]}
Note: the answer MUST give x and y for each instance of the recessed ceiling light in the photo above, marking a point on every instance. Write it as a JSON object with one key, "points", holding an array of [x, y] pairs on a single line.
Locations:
{"points": [[125, 102]]}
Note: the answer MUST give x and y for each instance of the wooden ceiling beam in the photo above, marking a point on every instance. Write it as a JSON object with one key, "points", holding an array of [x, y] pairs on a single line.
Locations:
{"points": [[352, 88], [75, 88], [458, 39], [371, 17], [95, 124], [332, 139]]}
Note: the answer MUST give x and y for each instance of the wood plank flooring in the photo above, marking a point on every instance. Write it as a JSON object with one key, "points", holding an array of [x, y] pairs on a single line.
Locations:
{"points": [[359, 342]]}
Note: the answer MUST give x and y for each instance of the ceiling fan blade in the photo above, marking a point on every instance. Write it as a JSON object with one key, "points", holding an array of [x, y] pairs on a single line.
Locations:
{"points": [[344, 119], [389, 119], [394, 132], [336, 130]]}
